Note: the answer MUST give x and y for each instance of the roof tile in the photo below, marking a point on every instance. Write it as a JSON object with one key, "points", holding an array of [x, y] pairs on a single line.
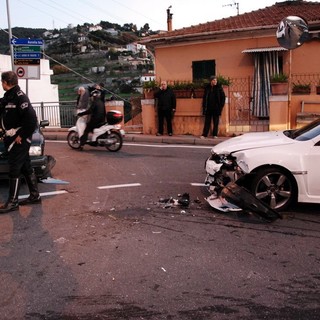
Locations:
{"points": [[269, 16]]}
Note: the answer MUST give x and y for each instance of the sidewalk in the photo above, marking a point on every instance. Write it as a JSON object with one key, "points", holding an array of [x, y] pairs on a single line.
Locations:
{"points": [[61, 135]]}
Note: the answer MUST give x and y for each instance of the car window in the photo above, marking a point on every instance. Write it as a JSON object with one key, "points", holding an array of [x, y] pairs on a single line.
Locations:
{"points": [[310, 131]]}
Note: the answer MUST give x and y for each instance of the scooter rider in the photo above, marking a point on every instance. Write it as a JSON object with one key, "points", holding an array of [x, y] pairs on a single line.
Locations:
{"points": [[18, 120], [97, 114]]}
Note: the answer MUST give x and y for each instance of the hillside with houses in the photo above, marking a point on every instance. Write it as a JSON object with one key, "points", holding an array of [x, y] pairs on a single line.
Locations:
{"points": [[103, 53]]}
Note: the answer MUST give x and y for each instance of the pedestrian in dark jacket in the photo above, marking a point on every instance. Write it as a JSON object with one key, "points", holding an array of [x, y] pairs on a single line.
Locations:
{"points": [[166, 105], [97, 114], [18, 121], [212, 104]]}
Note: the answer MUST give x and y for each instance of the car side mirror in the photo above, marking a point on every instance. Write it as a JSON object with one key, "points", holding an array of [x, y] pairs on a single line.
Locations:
{"points": [[292, 32], [44, 123]]}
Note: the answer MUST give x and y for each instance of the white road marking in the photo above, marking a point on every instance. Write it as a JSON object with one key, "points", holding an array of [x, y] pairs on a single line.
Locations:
{"points": [[198, 184], [45, 194], [160, 145], [120, 186]]}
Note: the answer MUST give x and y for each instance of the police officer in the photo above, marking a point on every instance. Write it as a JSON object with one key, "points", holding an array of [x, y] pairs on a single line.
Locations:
{"points": [[18, 121]]}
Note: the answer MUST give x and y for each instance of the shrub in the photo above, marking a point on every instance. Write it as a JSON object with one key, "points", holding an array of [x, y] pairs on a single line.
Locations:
{"points": [[278, 77]]}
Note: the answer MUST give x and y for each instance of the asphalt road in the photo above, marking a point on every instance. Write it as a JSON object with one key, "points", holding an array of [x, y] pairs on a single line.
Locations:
{"points": [[106, 246]]}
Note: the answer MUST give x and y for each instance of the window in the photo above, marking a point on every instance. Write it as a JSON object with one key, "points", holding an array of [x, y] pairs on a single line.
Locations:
{"points": [[203, 69]]}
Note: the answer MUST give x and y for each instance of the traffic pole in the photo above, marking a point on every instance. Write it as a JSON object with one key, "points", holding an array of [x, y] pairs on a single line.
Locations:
{"points": [[10, 35]]}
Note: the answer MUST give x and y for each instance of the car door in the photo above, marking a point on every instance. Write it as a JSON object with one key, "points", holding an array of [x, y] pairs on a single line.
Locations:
{"points": [[312, 161]]}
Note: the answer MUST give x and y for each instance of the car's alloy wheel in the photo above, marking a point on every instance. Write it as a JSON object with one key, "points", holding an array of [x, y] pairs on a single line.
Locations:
{"points": [[274, 187]]}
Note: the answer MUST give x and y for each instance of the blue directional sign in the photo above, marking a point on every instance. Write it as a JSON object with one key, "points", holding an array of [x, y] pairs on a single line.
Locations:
{"points": [[27, 55], [25, 41], [26, 51]]}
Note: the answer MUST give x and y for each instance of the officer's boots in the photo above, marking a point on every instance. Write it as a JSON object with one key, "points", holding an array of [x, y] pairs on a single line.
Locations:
{"points": [[12, 202], [34, 196]]}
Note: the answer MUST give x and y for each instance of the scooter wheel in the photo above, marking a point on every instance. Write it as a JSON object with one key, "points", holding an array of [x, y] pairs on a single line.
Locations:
{"points": [[73, 140], [116, 146]]}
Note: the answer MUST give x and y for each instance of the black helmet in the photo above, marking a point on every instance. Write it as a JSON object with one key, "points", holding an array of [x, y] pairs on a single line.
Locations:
{"points": [[95, 93]]}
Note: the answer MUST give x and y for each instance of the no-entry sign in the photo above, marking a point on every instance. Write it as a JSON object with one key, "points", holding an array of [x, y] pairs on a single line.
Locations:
{"points": [[21, 72], [27, 72]]}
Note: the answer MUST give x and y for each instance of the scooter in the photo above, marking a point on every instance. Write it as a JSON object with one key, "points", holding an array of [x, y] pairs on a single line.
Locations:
{"points": [[108, 135]]}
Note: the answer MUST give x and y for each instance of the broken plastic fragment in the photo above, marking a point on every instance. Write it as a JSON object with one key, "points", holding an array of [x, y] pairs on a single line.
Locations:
{"points": [[185, 200]]}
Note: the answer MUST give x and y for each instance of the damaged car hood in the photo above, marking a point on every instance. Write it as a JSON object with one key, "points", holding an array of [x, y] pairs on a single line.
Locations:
{"points": [[252, 140]]}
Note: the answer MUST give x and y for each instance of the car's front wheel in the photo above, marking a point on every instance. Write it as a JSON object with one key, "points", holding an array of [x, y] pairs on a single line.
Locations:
{"points": [[275, 187]]}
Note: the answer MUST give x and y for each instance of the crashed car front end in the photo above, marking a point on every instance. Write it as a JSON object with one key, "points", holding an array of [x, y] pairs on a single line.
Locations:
{"points": [[221, 169], [226, 181]]}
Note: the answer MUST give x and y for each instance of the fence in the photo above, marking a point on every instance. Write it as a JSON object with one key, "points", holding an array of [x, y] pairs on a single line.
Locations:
{"points": [[311, 79], [62, 114], [59, 114]]}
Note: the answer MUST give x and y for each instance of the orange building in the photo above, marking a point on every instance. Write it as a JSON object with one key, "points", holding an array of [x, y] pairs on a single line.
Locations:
{"points": [[243, 48]]}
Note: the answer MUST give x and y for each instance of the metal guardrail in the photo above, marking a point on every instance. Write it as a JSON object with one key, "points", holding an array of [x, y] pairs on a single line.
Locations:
{"points": [[60, 114]]}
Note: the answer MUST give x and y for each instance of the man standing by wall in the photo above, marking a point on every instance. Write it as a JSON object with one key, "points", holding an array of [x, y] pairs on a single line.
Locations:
{"points": [[212, 104], [18, 121], [166, 104]]}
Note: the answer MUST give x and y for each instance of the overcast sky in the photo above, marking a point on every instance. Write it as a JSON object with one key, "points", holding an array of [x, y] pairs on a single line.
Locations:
{"points": [[51, 14]]}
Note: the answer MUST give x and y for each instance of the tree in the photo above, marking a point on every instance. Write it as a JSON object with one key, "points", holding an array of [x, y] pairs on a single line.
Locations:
{"points": [[145, 28]]}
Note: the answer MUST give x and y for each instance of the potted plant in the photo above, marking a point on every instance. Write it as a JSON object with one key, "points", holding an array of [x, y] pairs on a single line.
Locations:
{"points": [[225, 82], [279, 84], [149, 88], [300, 88], [182, 89], [197, 89]]}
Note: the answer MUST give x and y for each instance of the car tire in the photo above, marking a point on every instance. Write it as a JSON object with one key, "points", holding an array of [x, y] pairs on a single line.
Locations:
{"points": [[275, 187]]}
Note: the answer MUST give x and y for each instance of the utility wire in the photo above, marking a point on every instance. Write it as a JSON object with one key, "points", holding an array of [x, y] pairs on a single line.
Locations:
{"points": [[82, 76], [73, 71]]}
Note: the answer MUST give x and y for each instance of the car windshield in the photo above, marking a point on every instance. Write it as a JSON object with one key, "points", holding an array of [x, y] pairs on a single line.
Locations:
{"points": [[307, 132]]}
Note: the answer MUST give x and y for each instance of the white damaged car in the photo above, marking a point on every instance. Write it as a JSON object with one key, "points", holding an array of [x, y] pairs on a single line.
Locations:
{"points": [[277, 167]]}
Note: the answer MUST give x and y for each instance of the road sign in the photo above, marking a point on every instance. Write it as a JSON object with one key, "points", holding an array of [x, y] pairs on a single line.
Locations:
{"points": [[27, 55], [22, 41], [24, 48], [23, 62], [20, 72], [27, 72], [26, 52]]}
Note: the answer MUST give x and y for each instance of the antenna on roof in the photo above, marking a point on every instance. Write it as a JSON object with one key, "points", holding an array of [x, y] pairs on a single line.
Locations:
{"points": [[233, 4]]}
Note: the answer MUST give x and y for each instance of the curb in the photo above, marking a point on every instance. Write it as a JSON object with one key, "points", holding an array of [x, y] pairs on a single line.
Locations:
{"points": [[61, 135]]}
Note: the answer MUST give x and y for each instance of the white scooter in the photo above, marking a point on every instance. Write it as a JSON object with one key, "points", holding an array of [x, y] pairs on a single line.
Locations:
{"points": [[108, 135]]}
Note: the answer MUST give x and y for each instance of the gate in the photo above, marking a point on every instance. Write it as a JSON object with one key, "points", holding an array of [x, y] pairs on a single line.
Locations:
{"points": [[240, 107], [240, 101], [133, 115]]}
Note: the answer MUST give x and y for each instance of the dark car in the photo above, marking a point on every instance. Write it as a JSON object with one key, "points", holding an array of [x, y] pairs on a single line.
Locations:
{"points": [[41, 163]]}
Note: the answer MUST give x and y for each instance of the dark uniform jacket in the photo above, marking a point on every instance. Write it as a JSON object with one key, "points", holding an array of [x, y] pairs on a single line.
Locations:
{"points": [[17, 112]]}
